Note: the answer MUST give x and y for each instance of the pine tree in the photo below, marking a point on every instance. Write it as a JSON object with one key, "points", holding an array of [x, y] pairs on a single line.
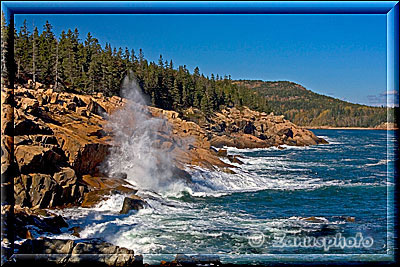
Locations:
{"points": [[176, 96], [22, 48], [35, 38], [46, 54], [4, 51], [56, 69], [87, 67]]}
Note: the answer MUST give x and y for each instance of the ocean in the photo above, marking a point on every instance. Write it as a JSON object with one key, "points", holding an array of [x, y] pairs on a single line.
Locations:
{"points": [[328, 201]]}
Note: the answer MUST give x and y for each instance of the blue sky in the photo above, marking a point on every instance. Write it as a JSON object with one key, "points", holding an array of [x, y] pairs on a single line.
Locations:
{"points": [[343, 56]]}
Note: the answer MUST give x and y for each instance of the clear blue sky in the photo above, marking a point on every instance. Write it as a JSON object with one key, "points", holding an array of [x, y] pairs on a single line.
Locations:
{"points": [[343, 56]]}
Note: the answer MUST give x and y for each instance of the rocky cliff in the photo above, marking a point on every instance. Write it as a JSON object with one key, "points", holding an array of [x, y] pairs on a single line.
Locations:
{"points": [[60, 141], [246, 128]]}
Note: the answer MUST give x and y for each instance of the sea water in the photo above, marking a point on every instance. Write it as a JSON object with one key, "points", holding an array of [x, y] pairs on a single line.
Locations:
{"points": [[275, 199]]}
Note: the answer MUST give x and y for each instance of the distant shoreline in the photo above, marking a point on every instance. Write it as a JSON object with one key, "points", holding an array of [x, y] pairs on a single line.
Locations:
{"points": [[346, 128]]}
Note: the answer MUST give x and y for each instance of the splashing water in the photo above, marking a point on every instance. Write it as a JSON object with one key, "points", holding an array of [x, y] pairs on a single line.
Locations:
{"points": [[137, 135]]}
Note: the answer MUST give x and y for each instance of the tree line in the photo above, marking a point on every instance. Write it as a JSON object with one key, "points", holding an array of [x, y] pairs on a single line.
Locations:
{"points": [[69, 64], [306, 108]]}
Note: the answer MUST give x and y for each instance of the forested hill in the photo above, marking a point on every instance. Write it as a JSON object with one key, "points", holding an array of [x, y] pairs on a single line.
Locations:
{"points": [[306, 108]]}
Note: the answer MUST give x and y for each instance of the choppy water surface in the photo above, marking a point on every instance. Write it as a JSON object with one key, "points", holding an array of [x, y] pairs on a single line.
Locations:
{"points": [[343, 186]]}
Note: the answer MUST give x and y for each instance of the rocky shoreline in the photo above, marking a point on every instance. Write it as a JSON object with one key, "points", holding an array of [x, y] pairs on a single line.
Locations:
{"points": [[388, 126], [59, 141]]}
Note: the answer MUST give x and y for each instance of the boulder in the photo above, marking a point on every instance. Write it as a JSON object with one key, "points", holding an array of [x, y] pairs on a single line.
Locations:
{"points": [[78, 101], [222, 153], [40, 220], [95, 108], [234, 159], [40, 190], [132, 203], [66, 252], [84, 151], [246, 128], [101, 187], [197, 260], [35, 158], [92, 198], [65, 177], [75, 231], [27, 126]]}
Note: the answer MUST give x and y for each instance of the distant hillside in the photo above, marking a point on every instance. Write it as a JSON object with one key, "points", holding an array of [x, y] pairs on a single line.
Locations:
{"points": [[306, 108]]}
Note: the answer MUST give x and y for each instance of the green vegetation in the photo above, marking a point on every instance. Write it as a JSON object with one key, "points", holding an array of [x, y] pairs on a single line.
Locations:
{"points": [[306, 108], [68, 64]]}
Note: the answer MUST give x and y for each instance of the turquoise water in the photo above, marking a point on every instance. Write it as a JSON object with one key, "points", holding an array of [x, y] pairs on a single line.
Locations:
{"points": [[343, 186]]}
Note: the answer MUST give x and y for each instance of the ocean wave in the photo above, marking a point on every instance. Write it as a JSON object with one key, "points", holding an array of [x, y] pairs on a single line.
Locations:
{"points": [[246, 150], [331, 141], [166, 229], [272, 148], [381, 162], [214, 183]]}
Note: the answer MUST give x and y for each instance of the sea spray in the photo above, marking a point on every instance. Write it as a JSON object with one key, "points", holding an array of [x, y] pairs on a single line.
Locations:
{"points": [[137, 136], [222, 222]]}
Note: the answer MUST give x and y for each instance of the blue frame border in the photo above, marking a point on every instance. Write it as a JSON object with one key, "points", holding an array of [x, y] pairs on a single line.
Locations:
{"points": [[200, 7], [389, 8]]}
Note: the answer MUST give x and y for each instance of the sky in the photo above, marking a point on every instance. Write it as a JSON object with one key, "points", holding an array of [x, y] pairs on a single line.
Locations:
{"points": [[343, 56]]}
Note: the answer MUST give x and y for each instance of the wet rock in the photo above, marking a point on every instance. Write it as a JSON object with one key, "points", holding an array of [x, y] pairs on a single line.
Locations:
{"points": [[75, 231], [119, 175], [65, 252], [234, 159], [103, 182], [314, 219], [94, 197], [101, 187], [40, 222], [197, 260], [99, 133], [222, 153], [132, 203]]}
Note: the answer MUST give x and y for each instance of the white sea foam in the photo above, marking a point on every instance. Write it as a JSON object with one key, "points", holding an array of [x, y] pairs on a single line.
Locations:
{"points": [[170, 224], [381, 162], [331, 140]]}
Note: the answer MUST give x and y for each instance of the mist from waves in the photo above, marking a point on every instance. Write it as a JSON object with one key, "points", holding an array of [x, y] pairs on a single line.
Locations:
{"points": [[137, 135], [271, 192]]}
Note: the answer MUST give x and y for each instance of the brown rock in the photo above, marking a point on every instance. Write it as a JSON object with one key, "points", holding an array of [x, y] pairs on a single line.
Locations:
{"points": [[75, 231], [67, 252], [29, 127], [132, 203], [65, 177], [54, 98], [95, 108], [222, 153], [94, 197], [39, 159], [234, 159]]}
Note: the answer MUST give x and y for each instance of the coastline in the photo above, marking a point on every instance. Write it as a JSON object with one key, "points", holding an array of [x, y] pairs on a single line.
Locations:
{"points": [[346, 128]]}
